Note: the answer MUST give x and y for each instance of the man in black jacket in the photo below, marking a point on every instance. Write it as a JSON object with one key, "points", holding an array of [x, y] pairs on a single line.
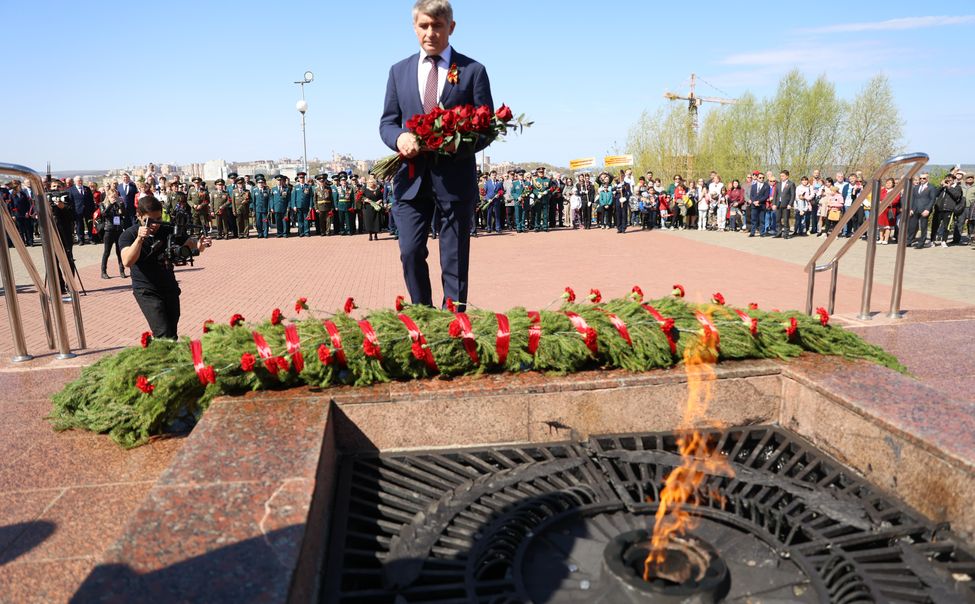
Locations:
{"points": [[785, 198], [921, 206], [83, 203], [947, 203], [760, 192]]}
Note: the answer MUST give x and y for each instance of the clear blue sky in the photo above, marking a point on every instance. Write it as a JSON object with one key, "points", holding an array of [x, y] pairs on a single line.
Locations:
{"points": [[115, 83]]}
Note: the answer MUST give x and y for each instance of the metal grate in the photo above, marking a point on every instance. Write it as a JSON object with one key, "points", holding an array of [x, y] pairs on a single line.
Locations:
{"points": [[520, 524]]}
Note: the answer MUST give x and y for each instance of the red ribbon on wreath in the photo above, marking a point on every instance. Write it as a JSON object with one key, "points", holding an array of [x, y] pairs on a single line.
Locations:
{"points": [[620, 327], [264, 351], [333, 334], [588, 333], [666, 325], [534, 331], [750, 323], [711, 335], [370, 342], [503, 340], [420, 349], [461, 327], [294, 347], [205, 372]]}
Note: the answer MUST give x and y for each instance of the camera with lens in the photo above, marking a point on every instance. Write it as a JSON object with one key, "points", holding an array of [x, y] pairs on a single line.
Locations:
{"points": [[171, 237]]}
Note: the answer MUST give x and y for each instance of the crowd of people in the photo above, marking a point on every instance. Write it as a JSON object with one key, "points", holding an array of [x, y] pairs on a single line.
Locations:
{"points": [[761, 205]]}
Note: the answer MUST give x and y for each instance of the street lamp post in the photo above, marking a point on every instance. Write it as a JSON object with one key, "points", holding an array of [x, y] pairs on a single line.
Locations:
{"points": [[302, 107]]}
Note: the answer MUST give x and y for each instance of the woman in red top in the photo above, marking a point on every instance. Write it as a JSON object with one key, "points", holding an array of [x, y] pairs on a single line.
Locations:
{"points": [[887, 220], [736, 199]]}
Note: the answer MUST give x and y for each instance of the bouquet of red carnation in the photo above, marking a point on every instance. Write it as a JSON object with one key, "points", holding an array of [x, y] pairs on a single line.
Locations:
{"points": [[445, 131]]}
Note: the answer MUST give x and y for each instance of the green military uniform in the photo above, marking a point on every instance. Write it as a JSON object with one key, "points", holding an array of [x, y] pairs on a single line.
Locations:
{"points": [[324, 205], [517, 192], [242, 209], [224, 208], [199, 201], [541, 192], [343, 203]]}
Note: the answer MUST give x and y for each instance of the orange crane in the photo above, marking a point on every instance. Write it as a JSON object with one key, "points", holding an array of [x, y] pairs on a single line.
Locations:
{"points": [[693, 102]]}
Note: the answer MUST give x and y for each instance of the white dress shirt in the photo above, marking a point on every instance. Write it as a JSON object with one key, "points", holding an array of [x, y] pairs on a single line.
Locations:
{"points": [[423, 71]]}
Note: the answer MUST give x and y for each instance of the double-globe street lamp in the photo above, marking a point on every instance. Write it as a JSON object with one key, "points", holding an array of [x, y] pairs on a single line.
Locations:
{"points": [[302, 107]]}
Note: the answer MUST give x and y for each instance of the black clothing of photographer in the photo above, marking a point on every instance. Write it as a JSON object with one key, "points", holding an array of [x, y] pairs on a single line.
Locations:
{"points": [[62, 211], [145, 252], [112, 218]]}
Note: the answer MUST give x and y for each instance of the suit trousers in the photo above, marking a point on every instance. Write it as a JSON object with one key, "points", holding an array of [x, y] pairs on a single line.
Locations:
{"points": [[782, 221], [260, 222], [82, 227], [494, 215], [413, 218], [917, 225], [756, 219], [621, 221]]}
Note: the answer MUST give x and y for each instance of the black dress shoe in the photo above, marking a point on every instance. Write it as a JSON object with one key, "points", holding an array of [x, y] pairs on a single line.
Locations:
{"points": [[751, 234], [105, 275], [121, 272]]}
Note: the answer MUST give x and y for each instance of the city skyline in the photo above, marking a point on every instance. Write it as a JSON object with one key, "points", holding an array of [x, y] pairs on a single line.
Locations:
{"points": [[183, 94]]}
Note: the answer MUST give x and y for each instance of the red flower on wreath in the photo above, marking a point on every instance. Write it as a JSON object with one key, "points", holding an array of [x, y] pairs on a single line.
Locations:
{"points": [[208, 375], [247, 361], [145, 339], [349, 305], [451, 306], [276, 316], [569, 295], [791, 327], [237, 319], [142, 383], [325, 355], [453, 75], [753, 306], [371, 349], [823, 316], [454, 329], [400, 300], [636, 293], [678, 290], [590, 338], [717, 298], [276, 364], [206, 325], [594, 296], [301, 304]]}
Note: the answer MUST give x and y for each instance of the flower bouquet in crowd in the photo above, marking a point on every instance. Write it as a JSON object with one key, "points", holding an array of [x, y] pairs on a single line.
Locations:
{"points": [[446, 131]]}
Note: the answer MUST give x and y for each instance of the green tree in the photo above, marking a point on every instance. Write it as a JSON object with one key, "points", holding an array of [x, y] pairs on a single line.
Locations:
{"points": [[872, 130]]}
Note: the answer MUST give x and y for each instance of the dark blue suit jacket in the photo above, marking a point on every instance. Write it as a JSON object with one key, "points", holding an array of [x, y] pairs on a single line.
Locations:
{"points": [[451, 178], [83, 201], [127, 193]]}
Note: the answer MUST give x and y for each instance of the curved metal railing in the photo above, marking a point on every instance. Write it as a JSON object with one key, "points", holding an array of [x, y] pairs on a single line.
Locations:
{"points": [[904, 189]]}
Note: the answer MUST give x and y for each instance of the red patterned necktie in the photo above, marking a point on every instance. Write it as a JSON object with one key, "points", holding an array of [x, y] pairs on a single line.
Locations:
{"points": [[430, 91]]}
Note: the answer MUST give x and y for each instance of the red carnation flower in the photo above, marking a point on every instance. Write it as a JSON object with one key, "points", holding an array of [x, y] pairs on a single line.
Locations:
{"points": [[454, 329], [678, 290], [451, 306], [590, 338], [325, 355], [418, 351], [753, 306], [400, 300], [637, 293], [791, 327], [569, 295], [754, 326], [301, 304], [276, 316], [371, 349], [504, 113], [247, 361], [823, 316], [717, 298], [206, 325], [595, 297], [349, 305], [146, 338], [209, 375], [142, 383], [237, 319]]}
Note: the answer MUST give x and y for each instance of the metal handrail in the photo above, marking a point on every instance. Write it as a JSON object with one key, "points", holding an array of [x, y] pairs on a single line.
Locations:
{"points": [[903, 188], [54, 255]]}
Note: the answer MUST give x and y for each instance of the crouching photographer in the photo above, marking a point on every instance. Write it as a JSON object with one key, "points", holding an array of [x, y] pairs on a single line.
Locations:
{"points": [[151, 248]]}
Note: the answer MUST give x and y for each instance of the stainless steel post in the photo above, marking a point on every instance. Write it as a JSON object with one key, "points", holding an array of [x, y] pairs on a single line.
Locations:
{"points": [[48, 232], [902, 235], [13, 306], [833, 276], [871, 253], [809, 291]]}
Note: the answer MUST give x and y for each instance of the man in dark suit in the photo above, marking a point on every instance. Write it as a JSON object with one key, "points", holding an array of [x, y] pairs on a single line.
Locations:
{"points": [[449, 184], [785, 198], [127, 191], [760, 192], [84, 204], [922, 203]]}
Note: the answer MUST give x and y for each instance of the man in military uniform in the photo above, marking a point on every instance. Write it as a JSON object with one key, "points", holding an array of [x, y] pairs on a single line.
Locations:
{"points": [[324, 204], [224, 208], [301, 202], [343, 203], [232, 179], [541, 189], [517, 194], [280, 202], [242, 208], [177, 200], [261, 200], [200, 204], [355, 218]]}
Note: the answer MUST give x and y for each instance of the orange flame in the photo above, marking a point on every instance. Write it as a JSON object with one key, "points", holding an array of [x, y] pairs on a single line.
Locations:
{"points": [[681, 491]]}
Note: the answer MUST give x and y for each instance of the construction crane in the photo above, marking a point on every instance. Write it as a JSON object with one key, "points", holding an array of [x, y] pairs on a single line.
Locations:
{"points": [[693, 102]]}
